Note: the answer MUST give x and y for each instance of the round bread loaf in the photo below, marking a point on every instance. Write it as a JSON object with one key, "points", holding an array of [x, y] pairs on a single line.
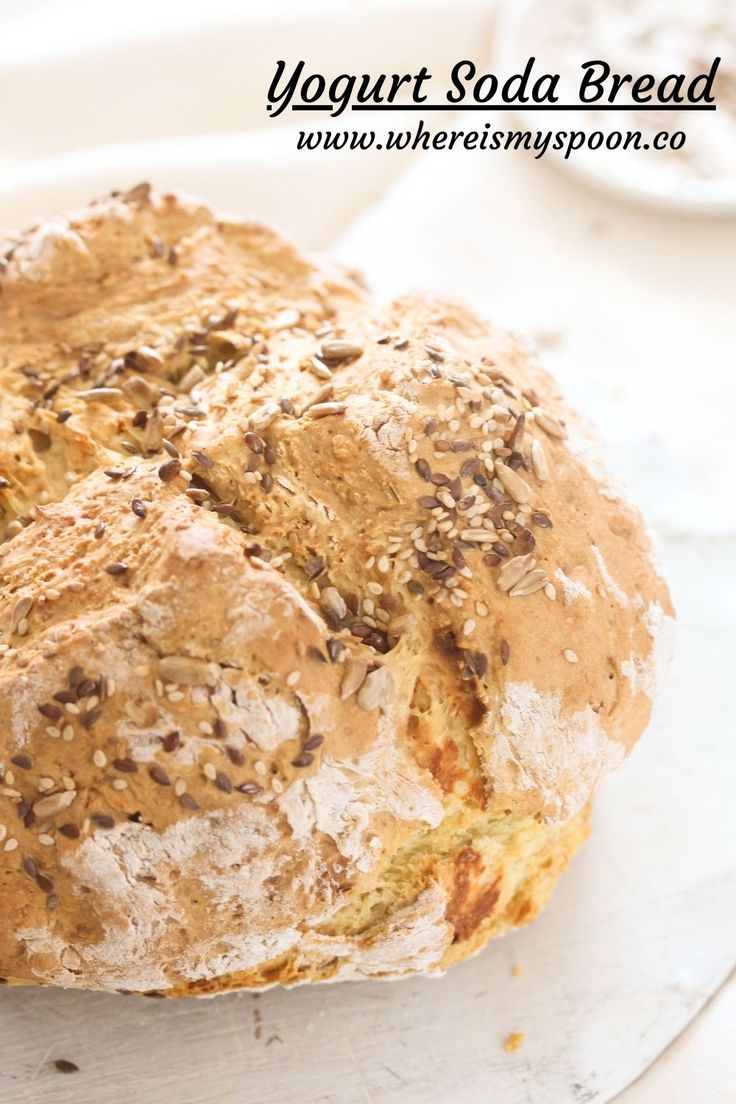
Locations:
{"points": [[319, 620]]}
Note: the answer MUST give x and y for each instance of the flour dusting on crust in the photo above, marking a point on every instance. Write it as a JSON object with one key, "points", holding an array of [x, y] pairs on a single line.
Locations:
{"points": [[645, 673], [559, 757]]}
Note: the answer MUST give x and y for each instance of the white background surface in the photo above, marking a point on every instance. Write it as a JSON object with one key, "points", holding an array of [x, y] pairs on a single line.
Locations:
{"points": [[627, 991]]}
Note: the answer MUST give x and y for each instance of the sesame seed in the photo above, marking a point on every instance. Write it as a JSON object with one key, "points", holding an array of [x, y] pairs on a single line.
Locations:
{"points": [[570, 655], [99, 758], [293, 678], [210, 771]]}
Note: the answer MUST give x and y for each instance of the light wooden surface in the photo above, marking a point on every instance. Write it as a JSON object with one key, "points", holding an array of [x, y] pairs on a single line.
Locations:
{"points": [[625, 992]]}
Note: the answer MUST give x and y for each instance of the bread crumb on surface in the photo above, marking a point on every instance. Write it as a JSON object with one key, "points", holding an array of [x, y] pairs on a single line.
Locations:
{"points": [[517, 970], [513, 1041]]}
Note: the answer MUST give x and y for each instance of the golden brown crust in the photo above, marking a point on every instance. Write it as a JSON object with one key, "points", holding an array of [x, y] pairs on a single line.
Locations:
{"points": [[318, 622]]}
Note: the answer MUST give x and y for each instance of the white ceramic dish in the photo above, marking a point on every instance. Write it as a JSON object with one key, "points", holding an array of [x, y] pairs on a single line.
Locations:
{"points": [[521, 32]]}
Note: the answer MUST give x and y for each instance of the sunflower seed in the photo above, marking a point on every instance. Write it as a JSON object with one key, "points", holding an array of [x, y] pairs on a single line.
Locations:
{"points": [[108, 395], [21, 609], [539, 461], [340, 350], [261, 418], [352, 680], [513, 483], [532, 582], [332, 600], [191, 378], [377, 691], [550, 425], [324, 409], [514, 570], [286, 318], [480, 536], [54, 803], [186, 671], [320, 370]]}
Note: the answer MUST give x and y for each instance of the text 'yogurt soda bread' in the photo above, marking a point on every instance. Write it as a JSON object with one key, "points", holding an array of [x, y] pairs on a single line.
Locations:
{"points": [[318, 623]]}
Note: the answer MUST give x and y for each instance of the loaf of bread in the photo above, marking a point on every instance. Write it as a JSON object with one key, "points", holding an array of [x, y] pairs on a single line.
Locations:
{"points": [[319, 619]]}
